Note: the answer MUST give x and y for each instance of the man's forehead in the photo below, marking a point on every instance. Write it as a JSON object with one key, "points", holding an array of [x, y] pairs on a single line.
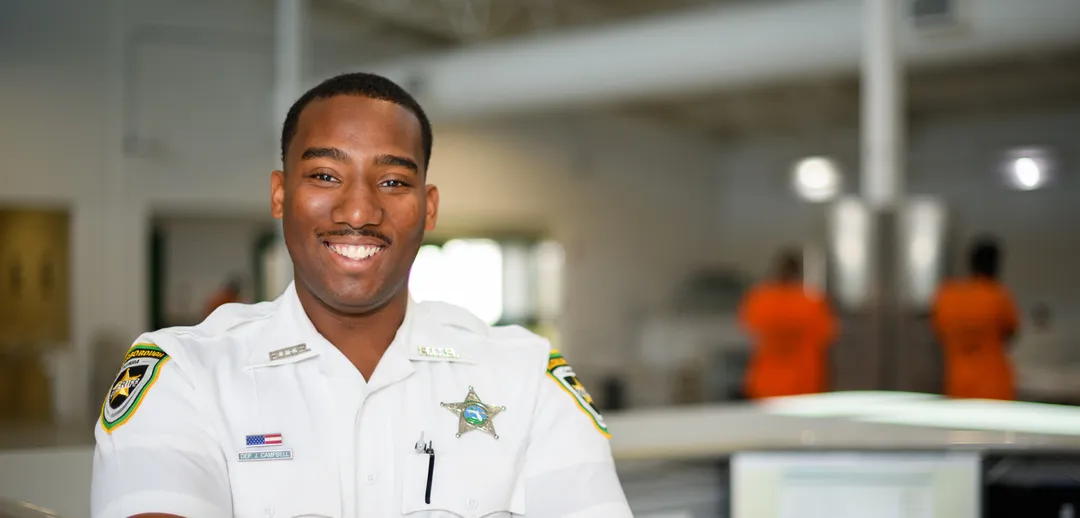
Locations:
{"points": [[358, 120], [325, 115]]}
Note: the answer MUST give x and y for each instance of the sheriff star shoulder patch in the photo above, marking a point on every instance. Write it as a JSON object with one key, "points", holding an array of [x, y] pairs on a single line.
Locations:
{"points": [[142, 363], [563, 374]]}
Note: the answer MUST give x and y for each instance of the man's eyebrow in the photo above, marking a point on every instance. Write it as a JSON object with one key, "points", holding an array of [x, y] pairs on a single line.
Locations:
{"points": [[332, 153], [399, 161]]}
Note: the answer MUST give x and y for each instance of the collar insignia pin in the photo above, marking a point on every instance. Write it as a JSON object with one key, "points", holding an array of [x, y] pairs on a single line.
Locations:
{"points": [[438, 352], [288, 352]]}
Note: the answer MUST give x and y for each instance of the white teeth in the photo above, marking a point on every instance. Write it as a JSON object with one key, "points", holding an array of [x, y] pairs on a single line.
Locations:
{"points": [[355, 252]]}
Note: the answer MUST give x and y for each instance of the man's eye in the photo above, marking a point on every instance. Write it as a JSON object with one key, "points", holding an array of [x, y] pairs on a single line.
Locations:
{"points": [[325, 177], [394, 183]]}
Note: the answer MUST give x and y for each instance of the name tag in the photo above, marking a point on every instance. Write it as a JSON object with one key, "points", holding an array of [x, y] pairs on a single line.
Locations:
{"points": [[246, 456]]}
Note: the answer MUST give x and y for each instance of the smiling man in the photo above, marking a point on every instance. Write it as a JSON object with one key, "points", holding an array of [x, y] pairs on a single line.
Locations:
{"points": [[344, 397]]}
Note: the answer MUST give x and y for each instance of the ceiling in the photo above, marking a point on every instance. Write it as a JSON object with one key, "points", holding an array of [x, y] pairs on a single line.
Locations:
{"points": [[810, 106], [807, 106], [467, 21]]}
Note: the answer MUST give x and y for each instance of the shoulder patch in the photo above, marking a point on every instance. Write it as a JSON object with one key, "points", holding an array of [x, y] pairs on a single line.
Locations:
{"points": [[563, 374], [138, 373]]}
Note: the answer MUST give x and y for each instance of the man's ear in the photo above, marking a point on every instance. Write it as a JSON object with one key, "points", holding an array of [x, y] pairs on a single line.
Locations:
{"points": [[431, 214], [277, 194]]}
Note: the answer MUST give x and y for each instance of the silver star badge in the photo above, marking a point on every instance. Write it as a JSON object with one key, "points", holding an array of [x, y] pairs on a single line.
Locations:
{"points": [[474, 414]]}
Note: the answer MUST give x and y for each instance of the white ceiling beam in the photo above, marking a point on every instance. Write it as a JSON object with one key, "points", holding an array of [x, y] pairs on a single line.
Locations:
{"points": [[707, 49]]}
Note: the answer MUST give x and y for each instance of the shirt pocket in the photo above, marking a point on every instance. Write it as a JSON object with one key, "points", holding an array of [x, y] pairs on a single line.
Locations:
{"points": [[284, 489], [462, 486]]}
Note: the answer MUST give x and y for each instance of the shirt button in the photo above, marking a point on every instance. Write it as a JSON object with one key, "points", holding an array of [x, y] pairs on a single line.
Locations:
{"points": [[371, 478], [472, 503]]}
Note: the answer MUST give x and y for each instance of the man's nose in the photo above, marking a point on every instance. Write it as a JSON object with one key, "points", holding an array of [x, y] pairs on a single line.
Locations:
{"points": [[358, 206]]}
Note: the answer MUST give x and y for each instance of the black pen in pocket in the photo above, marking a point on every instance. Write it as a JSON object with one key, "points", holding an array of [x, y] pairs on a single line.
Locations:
{"points": [[430, 450]]}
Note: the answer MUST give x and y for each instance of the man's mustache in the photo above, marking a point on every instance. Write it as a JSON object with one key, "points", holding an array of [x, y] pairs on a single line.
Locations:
{"points": [[355, 232]]}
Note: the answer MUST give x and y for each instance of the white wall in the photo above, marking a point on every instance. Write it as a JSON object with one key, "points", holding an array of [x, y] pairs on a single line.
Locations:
{"points": [[122, 109], [630, 203], [57, 131]]}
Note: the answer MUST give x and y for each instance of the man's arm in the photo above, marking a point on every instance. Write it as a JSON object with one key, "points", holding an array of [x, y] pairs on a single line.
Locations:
{"points": [[827, 326], [1009, 316], [569, 470], [156, 455]]}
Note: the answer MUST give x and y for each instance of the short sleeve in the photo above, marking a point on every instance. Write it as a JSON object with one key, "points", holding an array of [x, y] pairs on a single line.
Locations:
{"points": [[156, 451], [569, 470]]}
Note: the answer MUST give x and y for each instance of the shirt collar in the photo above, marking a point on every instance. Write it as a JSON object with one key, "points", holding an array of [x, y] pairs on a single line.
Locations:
{"points": [[289, 337], [437, 334]]}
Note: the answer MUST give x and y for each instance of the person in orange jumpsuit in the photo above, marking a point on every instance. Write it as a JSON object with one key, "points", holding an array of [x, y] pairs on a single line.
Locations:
{"points": [[975, 318], [792, 328]]}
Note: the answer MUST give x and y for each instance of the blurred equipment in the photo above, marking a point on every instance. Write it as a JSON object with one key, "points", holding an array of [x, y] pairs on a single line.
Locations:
{"points": [[856, 485], [872, 454], [694, 351], [709, 292], [883, 271]]}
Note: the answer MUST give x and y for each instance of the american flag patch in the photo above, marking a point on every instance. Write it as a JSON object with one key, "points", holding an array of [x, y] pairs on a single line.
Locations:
{"points": [[268, 439]]}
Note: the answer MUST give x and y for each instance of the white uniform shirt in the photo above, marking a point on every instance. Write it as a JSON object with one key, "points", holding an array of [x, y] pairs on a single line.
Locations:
{"points": [[176, 427]]}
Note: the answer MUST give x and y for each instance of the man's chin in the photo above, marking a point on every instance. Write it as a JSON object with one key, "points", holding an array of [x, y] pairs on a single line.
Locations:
{"points": [[357, 301]]}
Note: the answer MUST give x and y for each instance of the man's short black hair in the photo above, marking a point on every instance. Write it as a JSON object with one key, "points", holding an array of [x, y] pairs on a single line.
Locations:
{"points": [[985, 257], [360, 84], [789, 264]]}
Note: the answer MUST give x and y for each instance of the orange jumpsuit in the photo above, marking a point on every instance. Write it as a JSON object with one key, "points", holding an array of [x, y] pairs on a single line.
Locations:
{"points": [[791, 329], [973, 319]]}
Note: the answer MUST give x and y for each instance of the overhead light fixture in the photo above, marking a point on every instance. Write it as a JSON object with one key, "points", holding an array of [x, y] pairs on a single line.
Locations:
{"points": [[1027, 169], [816, 179], [1027, 172]]}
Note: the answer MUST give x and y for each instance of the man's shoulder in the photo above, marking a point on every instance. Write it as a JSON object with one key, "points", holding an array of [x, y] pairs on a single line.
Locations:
{"points": [[225, 334]]}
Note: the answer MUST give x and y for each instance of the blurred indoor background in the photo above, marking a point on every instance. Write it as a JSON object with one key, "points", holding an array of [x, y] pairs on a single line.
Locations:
{"points": [[615, 175]]}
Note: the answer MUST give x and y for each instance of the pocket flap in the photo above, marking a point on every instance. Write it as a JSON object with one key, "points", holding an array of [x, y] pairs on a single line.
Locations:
{"points": [[470, 486]]}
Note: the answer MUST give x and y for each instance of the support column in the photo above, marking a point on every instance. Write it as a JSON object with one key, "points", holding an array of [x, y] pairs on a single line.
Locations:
{"points": [[882, 107], [289, 69], [289, 53], [882, 186]]}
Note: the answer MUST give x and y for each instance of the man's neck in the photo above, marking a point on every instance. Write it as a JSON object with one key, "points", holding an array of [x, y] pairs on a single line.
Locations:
{"points": [[363, 338]]}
